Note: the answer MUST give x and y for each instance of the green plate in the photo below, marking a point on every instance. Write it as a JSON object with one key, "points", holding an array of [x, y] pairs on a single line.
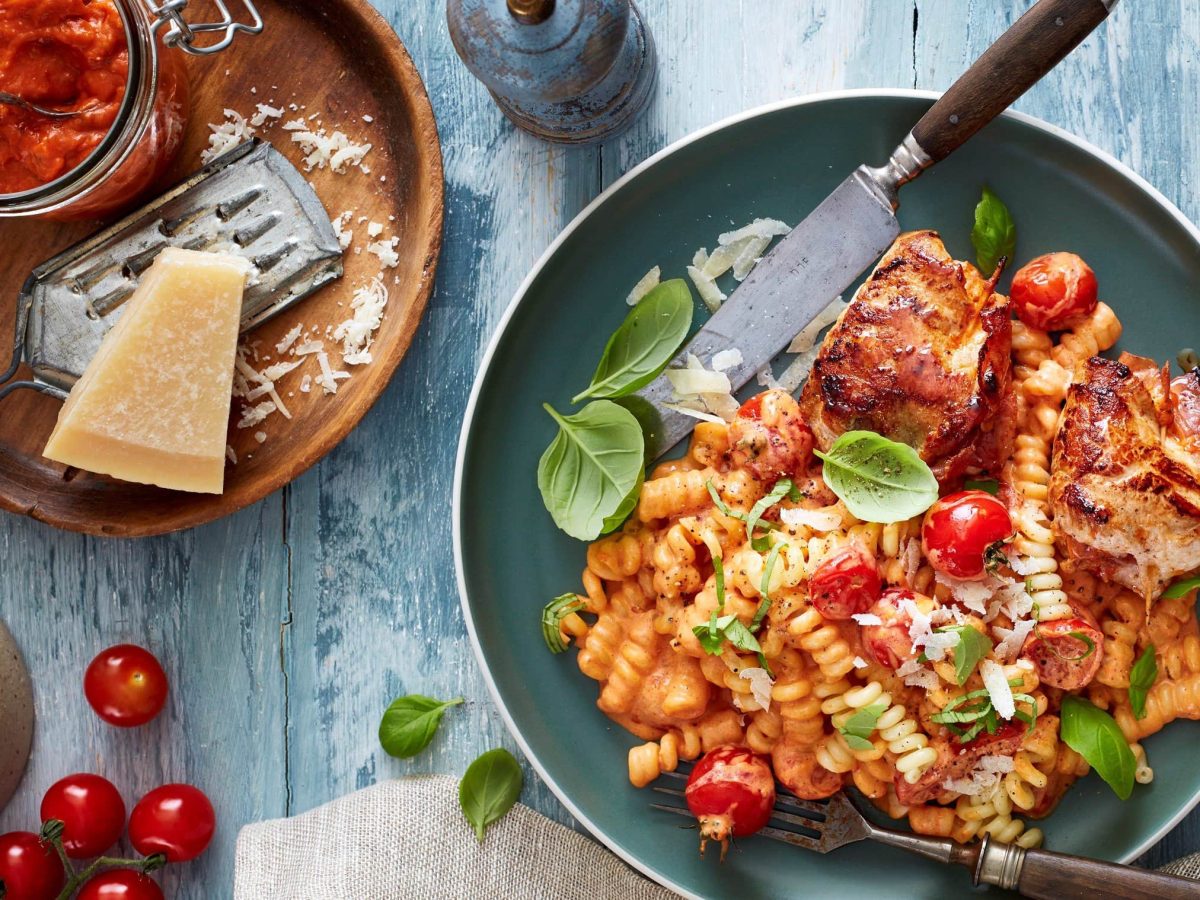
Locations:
{"points": [[778, 161]]}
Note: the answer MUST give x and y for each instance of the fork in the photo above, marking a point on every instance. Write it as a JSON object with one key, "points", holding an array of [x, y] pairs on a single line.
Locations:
{"points": [[827, 825]]}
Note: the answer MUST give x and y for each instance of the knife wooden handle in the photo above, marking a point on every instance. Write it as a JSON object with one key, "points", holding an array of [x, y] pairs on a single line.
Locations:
{"points": [[1028, 50], [1056, 876]]}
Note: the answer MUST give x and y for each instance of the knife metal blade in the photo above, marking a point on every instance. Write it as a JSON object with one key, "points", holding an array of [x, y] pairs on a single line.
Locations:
{"points": [[814, 263]]}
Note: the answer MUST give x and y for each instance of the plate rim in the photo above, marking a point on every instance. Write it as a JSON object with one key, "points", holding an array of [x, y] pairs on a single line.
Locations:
{"points": [[519, 297]]}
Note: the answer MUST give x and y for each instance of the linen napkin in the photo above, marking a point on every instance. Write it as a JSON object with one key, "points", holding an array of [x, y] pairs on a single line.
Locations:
{"points": [[408, 839]]}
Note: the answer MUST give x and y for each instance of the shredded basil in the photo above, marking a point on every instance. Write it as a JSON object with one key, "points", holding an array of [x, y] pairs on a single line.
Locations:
{"points": [[988, 485], [764, 587], [1141, 678], [975, 710], [879, 480], [994, 235], [973, 645], [1095, 735], [724, 509], [857, 729], [552, 615], [782, 488], [1181, 588]]}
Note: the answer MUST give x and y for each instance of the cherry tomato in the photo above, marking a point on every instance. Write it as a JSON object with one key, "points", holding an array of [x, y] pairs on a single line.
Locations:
{"points": [[91, 810], [126, 686], [769, 437], [120, 884], [889, 643], [1185, 405], [1067, 653], [845, 583], [29, 868], [175, 819], [731, 792], [959, 531], [1052, 290]]}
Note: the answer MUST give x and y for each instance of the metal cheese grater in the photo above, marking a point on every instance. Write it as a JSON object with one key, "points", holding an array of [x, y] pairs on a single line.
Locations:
{"points": [[251, 201]]}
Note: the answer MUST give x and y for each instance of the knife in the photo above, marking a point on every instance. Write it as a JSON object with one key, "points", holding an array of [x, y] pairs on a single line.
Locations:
{"points": [[852, 227]]}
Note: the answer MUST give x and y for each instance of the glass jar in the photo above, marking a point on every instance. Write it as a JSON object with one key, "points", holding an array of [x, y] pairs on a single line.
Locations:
{"points": [[148, 131]]}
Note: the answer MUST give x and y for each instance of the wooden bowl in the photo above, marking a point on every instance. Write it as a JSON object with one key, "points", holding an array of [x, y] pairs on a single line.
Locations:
{"points": [[340, 61]]}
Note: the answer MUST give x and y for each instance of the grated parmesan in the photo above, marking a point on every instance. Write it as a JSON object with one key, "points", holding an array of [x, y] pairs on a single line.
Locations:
{"points": [[386, 251], [867, 619], [322, 149], [859, 662], [226, 135], [822, 520], [726, 359], [289, 339], [760, 685], [357, 333], [998, 688], [645, 285]]}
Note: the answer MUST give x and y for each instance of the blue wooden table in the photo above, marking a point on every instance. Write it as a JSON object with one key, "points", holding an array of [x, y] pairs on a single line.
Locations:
{"points": [[286, 629]]}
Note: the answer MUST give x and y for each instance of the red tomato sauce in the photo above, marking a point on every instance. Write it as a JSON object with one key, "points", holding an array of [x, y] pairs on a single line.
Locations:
{"points": [[60, 54]]}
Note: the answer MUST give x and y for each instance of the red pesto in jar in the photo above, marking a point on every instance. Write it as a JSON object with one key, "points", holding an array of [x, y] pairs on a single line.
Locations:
{"points": [[60, 54]]}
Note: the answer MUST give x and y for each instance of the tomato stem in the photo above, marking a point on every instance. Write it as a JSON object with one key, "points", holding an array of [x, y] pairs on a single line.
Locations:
{"points": [[77, 879]]}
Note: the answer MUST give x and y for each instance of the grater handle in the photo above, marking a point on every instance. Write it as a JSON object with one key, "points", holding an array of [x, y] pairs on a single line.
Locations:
{"points": [[182, 34], [24, 304]]}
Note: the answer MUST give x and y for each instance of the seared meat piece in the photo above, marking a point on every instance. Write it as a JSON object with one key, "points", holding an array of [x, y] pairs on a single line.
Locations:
{"points": [[921, 356], [1124, 489]]}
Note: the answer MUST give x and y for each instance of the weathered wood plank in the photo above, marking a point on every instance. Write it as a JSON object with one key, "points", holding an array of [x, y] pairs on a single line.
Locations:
{"points": [[208, 603]]}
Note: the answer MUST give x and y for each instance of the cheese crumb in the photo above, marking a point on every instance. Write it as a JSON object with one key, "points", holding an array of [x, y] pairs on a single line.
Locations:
{"points": [[260, 436], [760, 685], [645, 285], [358, 332], [726, 359], [226, 135], [998, 688]]}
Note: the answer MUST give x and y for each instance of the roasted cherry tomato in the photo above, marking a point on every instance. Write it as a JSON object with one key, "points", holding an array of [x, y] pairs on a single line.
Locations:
{"points": [[1067, 653], [769, 437], [175, 819], [731, 792], [29, 868], [1185, 404], [961, 531], [126, 686], [1054, 289], [120, 884], [889, 643], [845, 583], [91, 810]]}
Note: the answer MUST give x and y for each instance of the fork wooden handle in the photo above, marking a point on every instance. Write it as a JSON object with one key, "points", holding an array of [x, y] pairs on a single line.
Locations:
{"points": [[1043, 875], [1028, 50]]}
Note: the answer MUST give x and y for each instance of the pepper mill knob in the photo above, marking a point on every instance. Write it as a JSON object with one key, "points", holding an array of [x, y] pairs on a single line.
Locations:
{"points": [[570, 71]]}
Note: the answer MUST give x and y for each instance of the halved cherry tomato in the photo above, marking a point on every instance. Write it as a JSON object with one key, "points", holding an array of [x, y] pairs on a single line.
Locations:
{"points": [[845, 583], [1053, 290], [889, 643], [769, 437], [29, 868], [175, 819], [731, 792], [960, 530], [91, 810], [1067, 653], [1185, 404], [120, 884], [126, 686]]}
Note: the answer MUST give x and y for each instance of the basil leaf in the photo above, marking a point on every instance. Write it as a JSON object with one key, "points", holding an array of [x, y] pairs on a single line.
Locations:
{"points": [[988, 485], [489, 788], [1141, 678], [994, 235], [973, 645], [591, 473], [879, 480], [410, 722], [719, 572], [857, 729], [553, 614], [712, 634], [1181, 588], [646, 341], [783, 488], [1092, 733], [739, 635], [764, 587]]}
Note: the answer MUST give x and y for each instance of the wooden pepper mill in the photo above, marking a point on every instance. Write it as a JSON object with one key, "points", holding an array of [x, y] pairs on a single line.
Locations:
{"points": [[571, 71]]}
